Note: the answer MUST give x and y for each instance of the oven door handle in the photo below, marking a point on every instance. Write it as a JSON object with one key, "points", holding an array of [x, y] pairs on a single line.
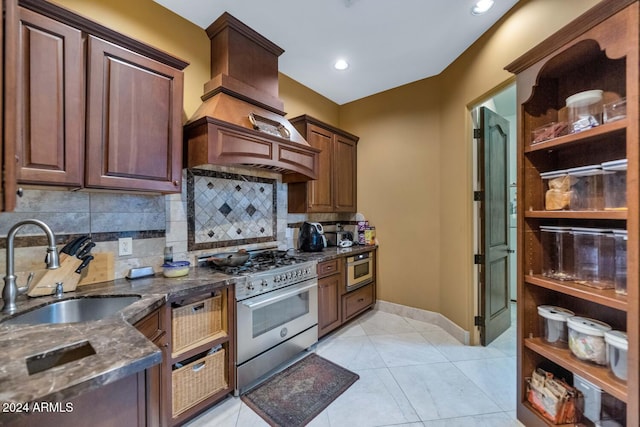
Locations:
{"points": [[255, 303], [362, 261]]}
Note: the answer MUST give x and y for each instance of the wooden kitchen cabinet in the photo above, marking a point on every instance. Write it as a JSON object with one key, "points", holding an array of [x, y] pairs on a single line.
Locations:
{"points": [[49, 102], [599, 50], [89, 107], [134, 120], [335, 188], [330, 290], [199, 379], [154, 327], [355, 302]]}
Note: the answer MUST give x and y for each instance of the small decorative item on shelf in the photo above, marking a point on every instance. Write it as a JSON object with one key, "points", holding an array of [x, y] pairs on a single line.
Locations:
{"points": [[548, 131], [556, 400], [586, 339], [585, 110]]}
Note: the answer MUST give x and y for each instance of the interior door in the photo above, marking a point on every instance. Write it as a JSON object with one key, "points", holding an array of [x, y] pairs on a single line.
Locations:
{"points": [[493, 171]]}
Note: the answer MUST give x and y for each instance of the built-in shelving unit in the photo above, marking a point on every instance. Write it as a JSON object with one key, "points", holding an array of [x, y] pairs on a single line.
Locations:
{"points": [[599, 50]]}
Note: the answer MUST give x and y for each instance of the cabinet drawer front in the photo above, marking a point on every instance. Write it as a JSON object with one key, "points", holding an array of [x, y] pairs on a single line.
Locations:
{"points": [[356, 301], [329, 267]]}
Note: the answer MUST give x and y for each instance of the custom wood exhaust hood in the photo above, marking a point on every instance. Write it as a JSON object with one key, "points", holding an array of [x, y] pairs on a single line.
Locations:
{"points": [[241, 121]]}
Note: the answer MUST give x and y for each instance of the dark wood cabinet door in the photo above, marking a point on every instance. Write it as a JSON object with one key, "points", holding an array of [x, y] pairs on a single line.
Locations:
{"points": [[320, 191], [50, 101], [329, 308], [344, 170], [134, 121]]}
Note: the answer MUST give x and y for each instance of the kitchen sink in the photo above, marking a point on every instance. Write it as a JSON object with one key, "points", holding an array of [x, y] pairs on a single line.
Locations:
{"points": [[74, 310]]}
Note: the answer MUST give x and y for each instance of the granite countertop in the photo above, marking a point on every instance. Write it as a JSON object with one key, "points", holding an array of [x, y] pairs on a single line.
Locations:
{"points": [[121, 350]]}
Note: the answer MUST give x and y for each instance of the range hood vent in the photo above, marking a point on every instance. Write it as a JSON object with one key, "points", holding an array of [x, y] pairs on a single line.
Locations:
{"points": [[241, 121]]}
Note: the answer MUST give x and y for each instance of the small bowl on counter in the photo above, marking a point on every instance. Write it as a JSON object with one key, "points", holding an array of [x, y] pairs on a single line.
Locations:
{"points": [[175, 268]]}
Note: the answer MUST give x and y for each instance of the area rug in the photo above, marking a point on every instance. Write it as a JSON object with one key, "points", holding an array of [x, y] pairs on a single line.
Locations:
{"points": [[296, 395]]}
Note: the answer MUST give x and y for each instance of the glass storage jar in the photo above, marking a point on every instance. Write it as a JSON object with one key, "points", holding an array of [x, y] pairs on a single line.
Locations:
{"points": [[554, 324], [620, 278], [584, 110], [557, 252], [615, 110], [594, 257], [614, 186], [617, 347], [557, 190], [586, 188], [586, 339]]}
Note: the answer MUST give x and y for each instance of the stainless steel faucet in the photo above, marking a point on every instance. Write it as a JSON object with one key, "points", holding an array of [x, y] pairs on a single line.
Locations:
{"points": [[11, 290]]}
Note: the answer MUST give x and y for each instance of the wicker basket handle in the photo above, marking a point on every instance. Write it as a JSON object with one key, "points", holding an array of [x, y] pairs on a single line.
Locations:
{"points": [[198, 367], [197, 307]]}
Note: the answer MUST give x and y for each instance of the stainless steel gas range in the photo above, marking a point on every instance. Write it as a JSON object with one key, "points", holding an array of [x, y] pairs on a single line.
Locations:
{"points": [[276, 313]]}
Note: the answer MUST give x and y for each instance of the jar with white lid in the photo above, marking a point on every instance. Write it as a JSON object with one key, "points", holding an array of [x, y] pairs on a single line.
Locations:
{"points": [[557, 252], [617, 347], [594, 257], [586, 188], [554, 324], [614, 186], [584, 110], [586, 339], [620, 278]]}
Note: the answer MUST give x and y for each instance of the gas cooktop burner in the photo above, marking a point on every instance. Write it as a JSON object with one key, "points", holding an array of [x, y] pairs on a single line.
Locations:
{"points": [[269, 270], [261, 261]]}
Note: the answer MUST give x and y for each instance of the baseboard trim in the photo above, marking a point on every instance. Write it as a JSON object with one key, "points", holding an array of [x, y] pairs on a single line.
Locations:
{"points": [[425, 316]]}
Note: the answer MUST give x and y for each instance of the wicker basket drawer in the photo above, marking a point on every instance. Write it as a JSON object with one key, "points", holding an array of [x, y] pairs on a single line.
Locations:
{"points": [[197, 381], [193, 323]]}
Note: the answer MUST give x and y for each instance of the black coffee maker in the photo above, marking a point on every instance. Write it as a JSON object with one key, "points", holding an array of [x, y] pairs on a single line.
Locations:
{"points": [[311, 237]]}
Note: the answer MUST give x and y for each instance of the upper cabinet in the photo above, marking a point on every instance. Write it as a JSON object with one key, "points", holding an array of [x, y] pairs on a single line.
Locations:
{"points": [[335, 188], [92, 108], [134, 121], [50, 101], [598, 53]]}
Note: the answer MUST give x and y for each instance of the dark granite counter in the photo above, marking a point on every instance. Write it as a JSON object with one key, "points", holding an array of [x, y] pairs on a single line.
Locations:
{"points": [[120, 349]]}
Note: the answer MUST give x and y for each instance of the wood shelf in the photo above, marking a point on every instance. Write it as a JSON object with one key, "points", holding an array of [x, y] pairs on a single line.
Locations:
{"points": [[200, 346], [605, 297], [598, 375], [602, 215], [582, 59], [598, 132]]}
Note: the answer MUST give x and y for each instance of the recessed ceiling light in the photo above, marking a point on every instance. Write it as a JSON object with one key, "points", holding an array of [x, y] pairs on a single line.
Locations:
{"points": [[482, 6], [341, 64]]}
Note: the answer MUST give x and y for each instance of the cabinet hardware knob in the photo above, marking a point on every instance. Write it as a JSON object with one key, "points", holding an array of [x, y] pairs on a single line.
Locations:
{"points": [[20, 192], [175, 183]]}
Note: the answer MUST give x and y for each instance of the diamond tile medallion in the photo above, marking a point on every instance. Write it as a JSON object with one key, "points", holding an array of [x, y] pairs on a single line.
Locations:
{"points": [[226, 209]]}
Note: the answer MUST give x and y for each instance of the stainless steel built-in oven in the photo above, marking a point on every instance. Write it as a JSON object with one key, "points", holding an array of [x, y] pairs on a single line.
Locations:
{"points": [[359, 270]]}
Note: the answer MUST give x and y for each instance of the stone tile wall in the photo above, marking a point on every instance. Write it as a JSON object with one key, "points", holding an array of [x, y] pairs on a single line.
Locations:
{"points": [[153, 221]]}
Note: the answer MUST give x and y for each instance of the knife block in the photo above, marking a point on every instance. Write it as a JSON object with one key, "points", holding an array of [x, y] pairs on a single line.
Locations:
{"points": [[44, 281]]}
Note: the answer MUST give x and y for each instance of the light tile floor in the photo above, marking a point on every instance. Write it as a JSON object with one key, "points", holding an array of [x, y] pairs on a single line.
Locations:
{"points": [[412, 374]]}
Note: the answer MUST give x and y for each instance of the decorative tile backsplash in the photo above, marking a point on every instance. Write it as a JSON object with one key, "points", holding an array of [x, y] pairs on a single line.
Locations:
{"points": [[227, 209]]}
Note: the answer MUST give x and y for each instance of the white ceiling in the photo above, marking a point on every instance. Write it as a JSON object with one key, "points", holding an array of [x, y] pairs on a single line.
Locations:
{"points": [[387, 43]]}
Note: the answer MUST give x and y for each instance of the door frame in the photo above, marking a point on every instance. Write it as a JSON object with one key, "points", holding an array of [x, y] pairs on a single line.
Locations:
{"points": [[473, 115]]}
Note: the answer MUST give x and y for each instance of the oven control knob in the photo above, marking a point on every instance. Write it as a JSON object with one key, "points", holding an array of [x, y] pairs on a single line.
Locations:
{"points": [[265, 283], [250, 286], [276, 278]]}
